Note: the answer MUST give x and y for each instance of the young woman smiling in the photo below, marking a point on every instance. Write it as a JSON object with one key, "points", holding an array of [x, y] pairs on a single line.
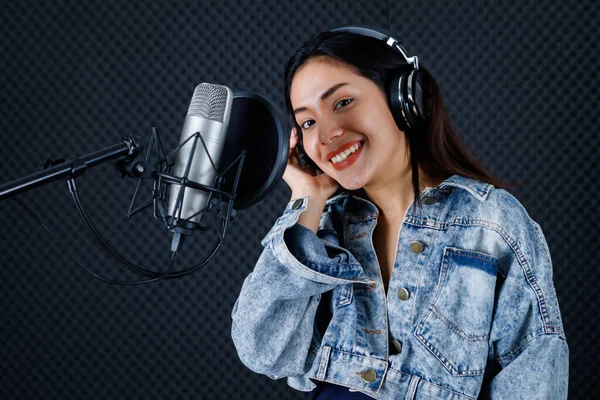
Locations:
{"points": [[400, 268]]}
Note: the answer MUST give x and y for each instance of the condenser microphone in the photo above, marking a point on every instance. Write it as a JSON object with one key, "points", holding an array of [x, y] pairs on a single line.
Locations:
{"points": [[196, 159]]}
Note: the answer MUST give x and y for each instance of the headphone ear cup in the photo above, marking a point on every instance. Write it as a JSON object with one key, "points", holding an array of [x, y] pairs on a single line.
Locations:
{"points": [[405, 97], [414, 99], [397, 100]]}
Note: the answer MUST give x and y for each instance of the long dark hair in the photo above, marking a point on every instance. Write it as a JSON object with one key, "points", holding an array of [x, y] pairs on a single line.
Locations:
{"points": [[436, 147]]}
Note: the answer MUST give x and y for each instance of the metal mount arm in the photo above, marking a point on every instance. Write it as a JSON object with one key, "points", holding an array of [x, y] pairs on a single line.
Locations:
{"points": [[70, 169]]}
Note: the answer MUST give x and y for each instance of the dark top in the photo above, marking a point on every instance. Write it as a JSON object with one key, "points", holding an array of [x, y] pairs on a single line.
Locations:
{"points": [[329, 391]]}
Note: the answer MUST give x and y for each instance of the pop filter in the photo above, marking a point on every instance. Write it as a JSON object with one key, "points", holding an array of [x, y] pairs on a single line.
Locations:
{"points": [[255, 125]]}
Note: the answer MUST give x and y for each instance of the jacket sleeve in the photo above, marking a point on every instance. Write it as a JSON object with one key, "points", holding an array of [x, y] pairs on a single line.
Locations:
{"points": [[273, 317], [529, 356]]}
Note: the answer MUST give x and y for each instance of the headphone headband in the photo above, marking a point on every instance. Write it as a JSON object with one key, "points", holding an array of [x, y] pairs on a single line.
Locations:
{"points": [[380, 35]]}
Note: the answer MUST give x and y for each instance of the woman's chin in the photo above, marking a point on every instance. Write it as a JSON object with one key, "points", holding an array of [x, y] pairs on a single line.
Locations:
{"points": [[351, 184]]}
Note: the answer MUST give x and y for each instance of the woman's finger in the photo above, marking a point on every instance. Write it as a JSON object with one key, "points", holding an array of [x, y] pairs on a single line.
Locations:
{"points": [[293, 138], [293, 154]]}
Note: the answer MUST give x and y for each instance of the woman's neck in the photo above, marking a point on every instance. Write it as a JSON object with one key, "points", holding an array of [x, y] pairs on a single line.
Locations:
{"points": [[393, 197]]}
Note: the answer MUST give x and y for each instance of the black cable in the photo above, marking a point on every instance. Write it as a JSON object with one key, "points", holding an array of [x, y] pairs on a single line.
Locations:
{"points": [[35, 216], [155, 276], [129, 265], [84, 216]]}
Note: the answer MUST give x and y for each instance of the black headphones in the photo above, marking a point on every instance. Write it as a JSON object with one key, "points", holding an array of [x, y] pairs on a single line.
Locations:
{"points": [[405, 93]]}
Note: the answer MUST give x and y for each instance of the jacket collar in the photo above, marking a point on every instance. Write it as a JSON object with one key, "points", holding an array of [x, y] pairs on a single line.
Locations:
{"points": [[476, 188]]}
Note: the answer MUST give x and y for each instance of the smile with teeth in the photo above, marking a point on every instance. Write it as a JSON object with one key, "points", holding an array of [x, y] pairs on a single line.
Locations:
{"points": [[344, 154]]}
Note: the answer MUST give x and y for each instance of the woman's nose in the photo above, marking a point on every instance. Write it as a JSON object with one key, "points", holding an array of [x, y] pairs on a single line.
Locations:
{"points": [[330, 131]]}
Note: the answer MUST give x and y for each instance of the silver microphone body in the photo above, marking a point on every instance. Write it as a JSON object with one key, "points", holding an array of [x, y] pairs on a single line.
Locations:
{"points": [[208, 114]]}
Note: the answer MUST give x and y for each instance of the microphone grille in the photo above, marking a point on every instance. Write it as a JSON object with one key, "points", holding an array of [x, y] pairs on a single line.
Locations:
{"points": [[209, 101]]}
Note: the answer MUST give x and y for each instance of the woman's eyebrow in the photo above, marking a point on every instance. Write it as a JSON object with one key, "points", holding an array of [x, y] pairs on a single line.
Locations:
{"points": [[324, 96]]}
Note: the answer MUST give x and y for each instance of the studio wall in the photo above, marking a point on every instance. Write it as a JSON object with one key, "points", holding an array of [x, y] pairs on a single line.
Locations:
{"points": [[520, 79]]}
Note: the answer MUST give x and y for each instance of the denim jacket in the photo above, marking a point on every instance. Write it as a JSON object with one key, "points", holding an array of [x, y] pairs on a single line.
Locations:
{"points": [[471, 311]]}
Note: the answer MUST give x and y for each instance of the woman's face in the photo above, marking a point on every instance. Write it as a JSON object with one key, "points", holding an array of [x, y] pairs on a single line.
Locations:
{"points": [[348, 129]]}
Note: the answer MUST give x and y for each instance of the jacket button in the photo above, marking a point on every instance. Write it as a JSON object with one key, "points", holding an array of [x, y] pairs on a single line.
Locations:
{"points": [[403, 294], [429, 200], [397, 346], [368, 375], [296, 204], [416, 247]]}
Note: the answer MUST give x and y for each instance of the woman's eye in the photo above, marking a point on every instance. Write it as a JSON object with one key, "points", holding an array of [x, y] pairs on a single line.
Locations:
{"points": [[343, 103], [307, 124]]}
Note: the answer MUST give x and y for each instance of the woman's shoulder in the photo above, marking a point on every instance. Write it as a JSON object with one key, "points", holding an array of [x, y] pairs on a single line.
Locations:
{"points": [[478, 200]]}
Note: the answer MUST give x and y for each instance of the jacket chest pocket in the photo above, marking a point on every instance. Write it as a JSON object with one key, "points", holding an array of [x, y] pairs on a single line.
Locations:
{"points": [[455, 328]]}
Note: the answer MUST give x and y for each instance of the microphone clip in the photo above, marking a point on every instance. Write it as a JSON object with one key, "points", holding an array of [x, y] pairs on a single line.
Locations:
{"points": [[218, 210]]}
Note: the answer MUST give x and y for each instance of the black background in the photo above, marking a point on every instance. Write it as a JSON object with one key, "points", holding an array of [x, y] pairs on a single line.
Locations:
{"points": [[520, 79]]}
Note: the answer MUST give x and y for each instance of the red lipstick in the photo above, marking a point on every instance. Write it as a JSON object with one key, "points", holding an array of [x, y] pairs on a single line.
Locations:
{"points": [[350, 159], [341, 149]]}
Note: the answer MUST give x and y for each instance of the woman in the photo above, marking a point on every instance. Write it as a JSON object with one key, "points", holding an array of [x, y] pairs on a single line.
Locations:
{"points": [[358, 294]]}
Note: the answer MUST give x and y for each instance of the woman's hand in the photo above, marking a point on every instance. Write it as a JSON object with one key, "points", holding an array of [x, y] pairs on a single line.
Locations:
{"points": [[306, 181]]}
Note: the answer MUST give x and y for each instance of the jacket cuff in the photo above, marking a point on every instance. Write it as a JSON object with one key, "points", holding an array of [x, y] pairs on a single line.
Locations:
{"points": [[303, 253]]}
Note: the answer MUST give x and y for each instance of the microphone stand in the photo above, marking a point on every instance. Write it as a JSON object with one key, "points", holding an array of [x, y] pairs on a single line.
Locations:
{"points": [[129, 164], [54, 171]]}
